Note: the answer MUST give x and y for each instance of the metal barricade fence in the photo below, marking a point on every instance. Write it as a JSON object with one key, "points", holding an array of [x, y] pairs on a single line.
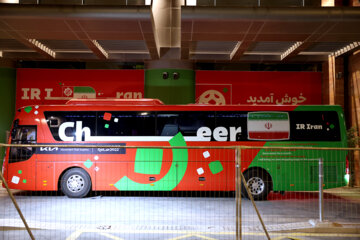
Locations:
{"points": [[173, 193], [309, 188]]}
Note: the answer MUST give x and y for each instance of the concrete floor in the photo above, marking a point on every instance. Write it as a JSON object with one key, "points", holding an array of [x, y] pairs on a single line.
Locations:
{"points": [[168, 216]]}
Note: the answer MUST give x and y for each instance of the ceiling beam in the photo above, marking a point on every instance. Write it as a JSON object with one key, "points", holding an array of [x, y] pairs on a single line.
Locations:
{"points": [[96, 48], [185, 50], [310, 40], [166, 22], [92, 44], [249, 38], [290, 50], [30, 43], [239, 50], [38, 47], [346, 49], [285, 14], [147, 31], [296, 51], [41, 48], [16, 11]]}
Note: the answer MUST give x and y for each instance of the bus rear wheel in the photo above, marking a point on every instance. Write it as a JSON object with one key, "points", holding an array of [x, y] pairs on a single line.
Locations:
{"points": [[75, 183], [259, 184]]}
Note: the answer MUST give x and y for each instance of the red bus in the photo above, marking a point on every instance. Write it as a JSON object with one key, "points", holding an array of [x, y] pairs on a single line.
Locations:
{"points": [[77, 171]]}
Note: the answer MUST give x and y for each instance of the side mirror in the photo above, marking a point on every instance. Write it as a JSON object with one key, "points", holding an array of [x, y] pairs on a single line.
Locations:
{"points": [[13, 133], [16, 123], [14, 129]]}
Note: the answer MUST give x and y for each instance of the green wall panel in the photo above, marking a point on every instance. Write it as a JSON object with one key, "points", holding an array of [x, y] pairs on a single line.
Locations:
{"points": [[7, 103], [170, 90]]}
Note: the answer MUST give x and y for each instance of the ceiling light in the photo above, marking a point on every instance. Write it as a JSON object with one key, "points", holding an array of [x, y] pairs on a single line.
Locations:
{"points": [[9, 1], [100, 48], [327, 3], [290, 50], [147, 2], [236, 48], [190, 2], [42, 47], [345, 49]]}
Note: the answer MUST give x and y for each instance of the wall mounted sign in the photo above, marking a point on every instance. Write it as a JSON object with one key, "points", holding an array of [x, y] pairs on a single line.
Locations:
{"points": [[275, 88], [57, 86]]}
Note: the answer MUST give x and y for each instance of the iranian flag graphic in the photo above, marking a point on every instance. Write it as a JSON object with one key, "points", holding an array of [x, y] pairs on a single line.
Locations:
{"points": [[84, 92], [268, 126]]}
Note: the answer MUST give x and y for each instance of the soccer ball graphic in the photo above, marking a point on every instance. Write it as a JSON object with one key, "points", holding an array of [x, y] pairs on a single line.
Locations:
{"points": [[212, 97]]}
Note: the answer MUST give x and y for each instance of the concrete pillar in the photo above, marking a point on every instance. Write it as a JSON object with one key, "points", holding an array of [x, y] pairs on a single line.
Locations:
{"points": [[354, 3], [173, 82], [7, 103], [339, 82], [354, 112], [332, 83], [166, 20], [169, 78]]}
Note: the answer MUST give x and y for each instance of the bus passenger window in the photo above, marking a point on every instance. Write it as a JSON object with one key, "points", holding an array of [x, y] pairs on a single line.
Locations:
{"points": [[125, 124], [170, 130], [170, 123], [85, 119]]}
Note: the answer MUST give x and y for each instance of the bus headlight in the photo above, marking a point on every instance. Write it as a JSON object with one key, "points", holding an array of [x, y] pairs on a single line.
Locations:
{"points": [[347, 178]]}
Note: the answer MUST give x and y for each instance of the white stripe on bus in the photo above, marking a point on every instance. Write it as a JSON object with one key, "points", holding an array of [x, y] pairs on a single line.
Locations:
{"points": [[139, 139]]}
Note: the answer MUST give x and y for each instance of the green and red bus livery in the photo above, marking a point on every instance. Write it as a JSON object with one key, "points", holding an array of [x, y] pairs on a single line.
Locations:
{"points": [[138, 123]]}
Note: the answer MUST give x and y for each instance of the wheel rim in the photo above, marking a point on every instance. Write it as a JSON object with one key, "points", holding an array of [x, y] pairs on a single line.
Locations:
{"points": [[75, 183], [256, 185]]}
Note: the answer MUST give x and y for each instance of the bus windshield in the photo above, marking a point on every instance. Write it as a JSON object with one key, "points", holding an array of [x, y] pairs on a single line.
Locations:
{"points": [[22, 135]]}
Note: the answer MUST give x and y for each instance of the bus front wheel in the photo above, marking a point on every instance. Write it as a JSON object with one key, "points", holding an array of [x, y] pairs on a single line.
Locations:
{"points": [[258, 182], [75, 183]]}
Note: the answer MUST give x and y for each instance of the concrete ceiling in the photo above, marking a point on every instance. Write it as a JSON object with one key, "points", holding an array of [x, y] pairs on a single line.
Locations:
{"points": [[208, 34]]}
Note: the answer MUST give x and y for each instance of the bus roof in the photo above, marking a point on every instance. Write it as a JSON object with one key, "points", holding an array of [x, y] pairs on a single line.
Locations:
{"points": [[115, 102], [157, 105]]}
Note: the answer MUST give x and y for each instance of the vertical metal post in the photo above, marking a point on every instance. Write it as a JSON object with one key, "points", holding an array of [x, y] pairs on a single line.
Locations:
{"points": [[256, 209], [321, 194], [17, 206], [238, 192]]}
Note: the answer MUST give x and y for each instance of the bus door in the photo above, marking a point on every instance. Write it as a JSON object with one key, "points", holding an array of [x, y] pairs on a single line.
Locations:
{"points": [[21, 174]]}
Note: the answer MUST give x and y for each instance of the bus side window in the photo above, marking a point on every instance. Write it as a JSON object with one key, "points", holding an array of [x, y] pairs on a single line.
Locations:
{"points": [[170, 130], [55, 119], [166, 124], [190, 122], [186, 122], [233, 120], [125, 123]]}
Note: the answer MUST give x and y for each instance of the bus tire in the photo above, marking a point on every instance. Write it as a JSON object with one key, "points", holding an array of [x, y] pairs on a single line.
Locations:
{"points": [[258, 182], [75, 183]]}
